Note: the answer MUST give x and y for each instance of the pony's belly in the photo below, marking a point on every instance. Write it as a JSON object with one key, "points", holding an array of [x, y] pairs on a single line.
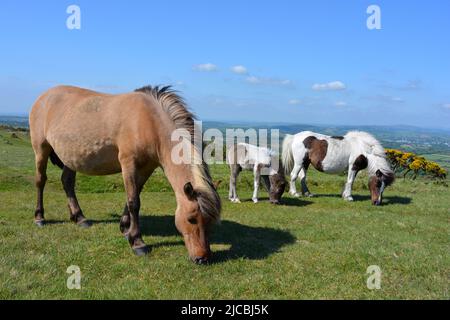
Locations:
{"points": [[95, 158], [334, 166], [247, 166]]}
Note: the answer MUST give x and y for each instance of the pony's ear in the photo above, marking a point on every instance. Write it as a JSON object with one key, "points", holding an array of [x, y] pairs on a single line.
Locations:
{"points": [[190, 192], [379, 173], [216, 184]]}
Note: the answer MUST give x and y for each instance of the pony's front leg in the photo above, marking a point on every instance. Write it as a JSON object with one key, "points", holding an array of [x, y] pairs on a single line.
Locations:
{"points": [[305, 190], [347, 194], [125, 219], [294, 176], [132, 188], [257, 177], [76, 215]]}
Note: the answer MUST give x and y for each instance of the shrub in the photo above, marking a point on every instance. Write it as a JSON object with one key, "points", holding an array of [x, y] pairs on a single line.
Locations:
{"points": [[406, 162]]}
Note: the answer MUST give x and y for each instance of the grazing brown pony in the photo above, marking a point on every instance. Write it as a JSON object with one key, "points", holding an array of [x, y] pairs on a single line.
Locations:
{"points": [[101, 134]]}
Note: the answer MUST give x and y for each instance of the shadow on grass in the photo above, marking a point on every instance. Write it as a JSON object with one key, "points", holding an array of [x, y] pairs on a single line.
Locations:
{"points": [[285, 201], [244, 241], [387, 200], [248, 242]]}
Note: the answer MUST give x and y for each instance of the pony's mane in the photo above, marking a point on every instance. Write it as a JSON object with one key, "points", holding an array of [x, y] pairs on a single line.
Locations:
{"points": [[174, 105], [177, 110], [375, 152]]}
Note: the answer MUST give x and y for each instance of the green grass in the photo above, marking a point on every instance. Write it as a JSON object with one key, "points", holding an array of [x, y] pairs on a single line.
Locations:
{"points": [[304, 249]]}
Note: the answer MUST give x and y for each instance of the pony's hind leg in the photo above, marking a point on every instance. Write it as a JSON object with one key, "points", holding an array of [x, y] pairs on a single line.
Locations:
{"points": [[232, 195], [76, 215], [41, 158]]}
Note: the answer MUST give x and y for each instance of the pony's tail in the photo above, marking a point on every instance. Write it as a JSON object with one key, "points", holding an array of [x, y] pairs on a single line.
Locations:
{"points": [[56, 160], [286, 156]]}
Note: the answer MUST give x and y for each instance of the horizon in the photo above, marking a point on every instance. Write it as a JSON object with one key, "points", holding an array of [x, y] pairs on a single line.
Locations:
{"points": [[267, 123], [292, 62]]}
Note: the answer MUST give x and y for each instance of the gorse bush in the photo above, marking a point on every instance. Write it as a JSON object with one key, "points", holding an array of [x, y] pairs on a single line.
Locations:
{"points": [[408, 162]]}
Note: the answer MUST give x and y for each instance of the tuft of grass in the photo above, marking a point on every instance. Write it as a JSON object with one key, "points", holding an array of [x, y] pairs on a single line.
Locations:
{"points": [[307, 248]]}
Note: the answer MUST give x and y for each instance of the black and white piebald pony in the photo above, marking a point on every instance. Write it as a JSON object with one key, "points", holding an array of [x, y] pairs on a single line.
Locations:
{"points": [[265, 165], [355, 151]]}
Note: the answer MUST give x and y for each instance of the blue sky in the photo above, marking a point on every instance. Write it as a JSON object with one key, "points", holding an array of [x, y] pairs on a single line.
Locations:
{"points": [[299, 61]]}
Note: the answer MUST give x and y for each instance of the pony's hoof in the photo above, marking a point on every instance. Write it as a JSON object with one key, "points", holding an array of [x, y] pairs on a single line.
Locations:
{"points": [[236, 200], [309, 195], [141, 251], [348, 198], [295, 194], [85, 224], [39, 223], [255, 200]]}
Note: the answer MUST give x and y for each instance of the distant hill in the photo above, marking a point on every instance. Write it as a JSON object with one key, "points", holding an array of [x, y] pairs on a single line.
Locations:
{"points": [[14, 121], [407, 138]]}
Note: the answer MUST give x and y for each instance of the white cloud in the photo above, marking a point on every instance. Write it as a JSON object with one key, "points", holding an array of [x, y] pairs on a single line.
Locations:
{"points": [[411, 85], [330, 86], [340, 104], [386, 99], [205, 67], [286, 82], [254, 80], [268, 81], [294, 102], [239, 69]]}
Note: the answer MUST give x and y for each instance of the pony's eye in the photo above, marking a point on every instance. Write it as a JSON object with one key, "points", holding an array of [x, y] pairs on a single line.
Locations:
{"points": [[192, 221]]}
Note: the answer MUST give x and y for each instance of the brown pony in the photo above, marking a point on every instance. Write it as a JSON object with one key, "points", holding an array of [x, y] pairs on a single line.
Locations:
{"points": [[101, 134]]}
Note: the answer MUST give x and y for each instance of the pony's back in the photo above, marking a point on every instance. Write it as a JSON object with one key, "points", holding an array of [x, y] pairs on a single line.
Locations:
{"points": [[367, 142]]}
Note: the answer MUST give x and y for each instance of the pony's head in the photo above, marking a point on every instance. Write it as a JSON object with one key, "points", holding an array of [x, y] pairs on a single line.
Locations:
{"points": [[377, 185], [194, 219], [277, 185], [197, 198]]}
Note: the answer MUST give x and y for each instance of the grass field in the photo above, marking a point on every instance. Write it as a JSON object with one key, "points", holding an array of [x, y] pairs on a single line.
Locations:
{"points": [[304, 249]]}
